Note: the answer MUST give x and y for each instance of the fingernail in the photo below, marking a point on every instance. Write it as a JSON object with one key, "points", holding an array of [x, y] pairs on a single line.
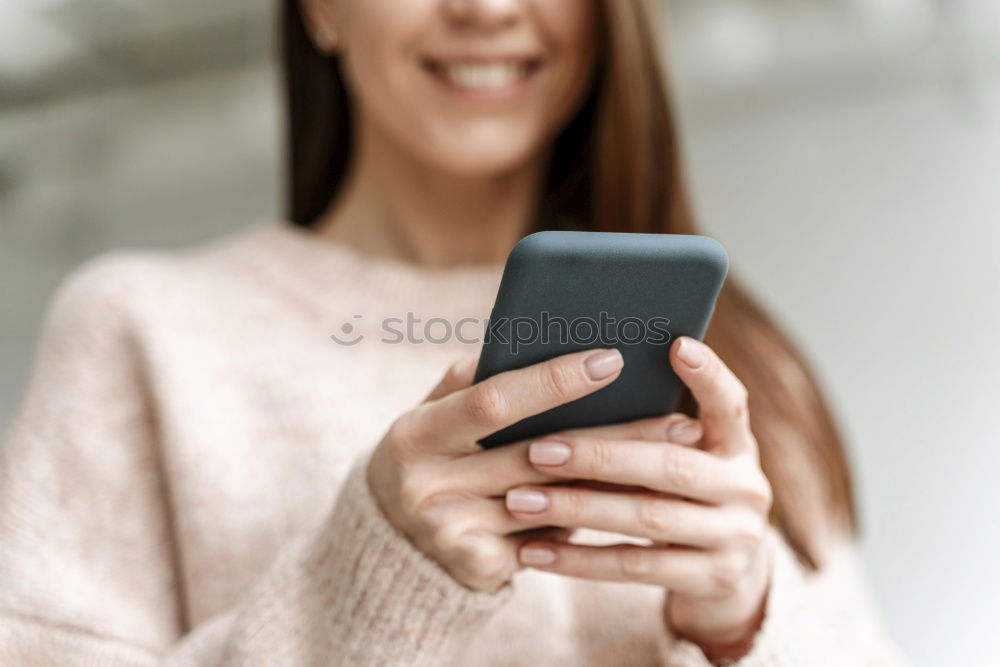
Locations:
{"points": [[602, 365], [691, 353], [683, 432], [535, 555], [548, 453], [526, 500]]}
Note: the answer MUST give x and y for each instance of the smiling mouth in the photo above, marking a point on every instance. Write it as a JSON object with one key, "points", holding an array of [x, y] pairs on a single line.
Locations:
{"points": [[483, 76]]}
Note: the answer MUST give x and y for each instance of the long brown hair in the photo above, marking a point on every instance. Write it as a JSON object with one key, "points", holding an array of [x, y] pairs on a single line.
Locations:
{"points": [[616, 167]]}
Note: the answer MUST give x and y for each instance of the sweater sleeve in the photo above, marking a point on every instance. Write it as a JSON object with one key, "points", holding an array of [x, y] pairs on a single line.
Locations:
{"points": [[816, 619], [88, 562]]}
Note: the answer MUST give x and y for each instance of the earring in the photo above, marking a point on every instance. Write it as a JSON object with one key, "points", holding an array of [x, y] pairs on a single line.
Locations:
{"points": [[327, 39]]}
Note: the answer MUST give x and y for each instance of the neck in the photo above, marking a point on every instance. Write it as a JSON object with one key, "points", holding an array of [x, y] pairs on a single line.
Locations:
{"points": [[392, 205]]}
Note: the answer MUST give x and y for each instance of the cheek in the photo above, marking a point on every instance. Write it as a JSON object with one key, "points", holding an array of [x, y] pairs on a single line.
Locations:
{"points": [[571, 28], [387, 87], [384, 38], [379, 35]]}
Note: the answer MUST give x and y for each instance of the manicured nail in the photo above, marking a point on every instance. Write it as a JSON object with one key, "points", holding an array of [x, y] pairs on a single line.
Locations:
{"points": [[684, 432], [548, 453], [691, 352], [536, 555], [602, 365], [526, 500]]}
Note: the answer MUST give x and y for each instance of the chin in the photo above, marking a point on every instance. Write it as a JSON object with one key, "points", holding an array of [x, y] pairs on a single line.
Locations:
{"points": [[484, 159], [483, 167]]}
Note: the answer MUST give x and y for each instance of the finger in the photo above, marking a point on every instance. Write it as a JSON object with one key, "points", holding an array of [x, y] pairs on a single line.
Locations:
{"points": [[457, 421], [456, 514], [491, 472], [478, 555], [676, 568], [658, 518], [544, 534], [458, 376], [721, 397], [653, 429], [492, 515], [513, 543], [686, 431], [659, 466]]}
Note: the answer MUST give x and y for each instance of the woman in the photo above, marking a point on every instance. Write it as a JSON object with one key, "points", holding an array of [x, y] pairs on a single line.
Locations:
{"points": [[199, 475]]}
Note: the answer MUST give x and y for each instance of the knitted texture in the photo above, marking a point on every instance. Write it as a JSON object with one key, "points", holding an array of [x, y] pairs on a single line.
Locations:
{"points": [[183, 483]]}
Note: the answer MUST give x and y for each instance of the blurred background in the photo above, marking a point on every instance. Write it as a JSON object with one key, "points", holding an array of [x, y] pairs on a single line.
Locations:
{"points": [[846, 151]]}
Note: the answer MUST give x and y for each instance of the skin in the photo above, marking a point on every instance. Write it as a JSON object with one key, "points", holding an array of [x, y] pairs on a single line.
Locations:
{"points": [[456, 177], [455, 180]]}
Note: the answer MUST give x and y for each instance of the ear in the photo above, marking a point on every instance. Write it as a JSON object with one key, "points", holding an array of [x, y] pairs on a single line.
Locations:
{"points": [[322, 25]]}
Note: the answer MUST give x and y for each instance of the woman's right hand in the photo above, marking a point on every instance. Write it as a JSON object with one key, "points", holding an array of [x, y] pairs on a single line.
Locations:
{"points": [[436, 484]]}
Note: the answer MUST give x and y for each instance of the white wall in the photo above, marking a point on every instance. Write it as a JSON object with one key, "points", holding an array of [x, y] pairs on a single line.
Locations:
{"points": [[155, 166], [872, 230], [869, 223]]}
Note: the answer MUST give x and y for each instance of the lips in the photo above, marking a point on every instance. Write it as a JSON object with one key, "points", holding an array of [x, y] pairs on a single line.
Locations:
{"points": [[483, 75]]}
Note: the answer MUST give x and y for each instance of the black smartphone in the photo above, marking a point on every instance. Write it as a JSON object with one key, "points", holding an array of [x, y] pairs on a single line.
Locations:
{"points": [[563, 292]]}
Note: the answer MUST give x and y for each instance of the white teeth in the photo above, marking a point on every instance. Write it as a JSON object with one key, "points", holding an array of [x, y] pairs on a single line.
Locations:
{"points": [[484, 76]]}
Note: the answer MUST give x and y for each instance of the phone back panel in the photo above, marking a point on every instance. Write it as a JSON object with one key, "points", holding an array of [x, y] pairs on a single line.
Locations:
{"points": [[588, 290]]}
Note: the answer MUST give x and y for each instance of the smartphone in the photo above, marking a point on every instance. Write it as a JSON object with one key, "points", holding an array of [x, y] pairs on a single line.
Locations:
{"points": [[563, 292]]}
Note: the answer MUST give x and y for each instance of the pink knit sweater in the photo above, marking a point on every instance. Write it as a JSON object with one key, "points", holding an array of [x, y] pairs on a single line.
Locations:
{"points": [[183, 484]]}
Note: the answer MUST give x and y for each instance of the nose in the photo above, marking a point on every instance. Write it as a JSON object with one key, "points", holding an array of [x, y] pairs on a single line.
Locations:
{"points": [[489, 14]]}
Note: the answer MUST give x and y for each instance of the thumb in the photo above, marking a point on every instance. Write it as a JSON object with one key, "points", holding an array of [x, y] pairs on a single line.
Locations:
{"points": [[458, 376]]}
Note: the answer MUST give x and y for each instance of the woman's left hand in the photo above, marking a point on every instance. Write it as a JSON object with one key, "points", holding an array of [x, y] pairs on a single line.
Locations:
{"points": [[697, 492]]}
